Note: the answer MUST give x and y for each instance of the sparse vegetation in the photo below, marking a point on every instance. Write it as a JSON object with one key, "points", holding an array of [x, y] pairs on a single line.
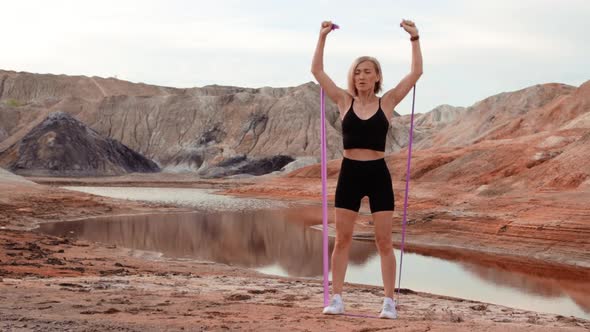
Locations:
{"points": [[13, 102]]}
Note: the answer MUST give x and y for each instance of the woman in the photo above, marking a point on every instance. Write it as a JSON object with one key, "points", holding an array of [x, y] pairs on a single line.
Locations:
{"points": [[365, 122]]}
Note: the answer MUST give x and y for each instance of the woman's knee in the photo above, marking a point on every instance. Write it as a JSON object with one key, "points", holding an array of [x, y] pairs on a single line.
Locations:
{"points": [[384, 244], [343, 241]]}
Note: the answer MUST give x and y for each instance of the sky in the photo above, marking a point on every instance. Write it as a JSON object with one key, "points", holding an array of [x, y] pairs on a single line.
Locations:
{"points": [[471, 49]]}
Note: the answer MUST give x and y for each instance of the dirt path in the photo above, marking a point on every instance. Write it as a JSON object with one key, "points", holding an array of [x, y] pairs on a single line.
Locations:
{"points": [[104, 94]]}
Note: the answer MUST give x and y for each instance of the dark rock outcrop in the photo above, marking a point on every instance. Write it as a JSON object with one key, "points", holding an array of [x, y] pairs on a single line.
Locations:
{"points": [[242, 165], [63, 146]]}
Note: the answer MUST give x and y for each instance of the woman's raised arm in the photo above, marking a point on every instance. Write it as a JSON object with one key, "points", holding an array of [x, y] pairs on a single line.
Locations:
{"points": [[338, 95], [394, 96]]}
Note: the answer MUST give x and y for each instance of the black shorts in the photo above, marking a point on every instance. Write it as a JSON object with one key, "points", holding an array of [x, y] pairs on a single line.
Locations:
{"points": [[358, 179]]}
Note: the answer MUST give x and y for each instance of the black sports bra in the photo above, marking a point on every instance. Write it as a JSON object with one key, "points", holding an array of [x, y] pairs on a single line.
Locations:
{"points": [[365, 134]]}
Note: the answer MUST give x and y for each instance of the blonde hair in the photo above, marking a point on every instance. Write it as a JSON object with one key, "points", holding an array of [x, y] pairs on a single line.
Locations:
{"points": [[351, 88]]}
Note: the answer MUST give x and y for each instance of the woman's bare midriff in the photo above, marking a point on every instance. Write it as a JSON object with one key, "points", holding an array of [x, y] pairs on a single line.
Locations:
{"points": [[363, 154]]}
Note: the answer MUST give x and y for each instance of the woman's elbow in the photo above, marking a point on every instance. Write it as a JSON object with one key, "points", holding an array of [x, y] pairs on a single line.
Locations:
{"points": [[315, 72]]}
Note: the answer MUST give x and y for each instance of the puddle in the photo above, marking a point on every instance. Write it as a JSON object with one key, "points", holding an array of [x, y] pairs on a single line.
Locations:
{"points": [[279, 242]]}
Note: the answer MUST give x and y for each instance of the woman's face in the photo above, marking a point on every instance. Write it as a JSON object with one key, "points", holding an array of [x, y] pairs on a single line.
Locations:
{"points": [[365, 76]]}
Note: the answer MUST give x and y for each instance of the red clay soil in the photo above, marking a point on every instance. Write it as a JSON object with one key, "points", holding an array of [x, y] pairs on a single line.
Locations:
{"points": [[56, 284]]}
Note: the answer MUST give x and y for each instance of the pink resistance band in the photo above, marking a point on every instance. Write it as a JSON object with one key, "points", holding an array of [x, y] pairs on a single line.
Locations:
{"points": [[325, 194], [324, 171]]}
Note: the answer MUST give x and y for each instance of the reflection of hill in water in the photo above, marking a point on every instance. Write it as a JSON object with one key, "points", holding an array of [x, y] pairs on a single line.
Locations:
{"points": [[527, 283], [249, 239], [547, 286], [262, 238]]}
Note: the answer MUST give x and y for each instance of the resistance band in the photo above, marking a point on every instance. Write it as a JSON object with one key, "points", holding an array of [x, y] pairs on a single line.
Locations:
{"points": [[401, 258]]}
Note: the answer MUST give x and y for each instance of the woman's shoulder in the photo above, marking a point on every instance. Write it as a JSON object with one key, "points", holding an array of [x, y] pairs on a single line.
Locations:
{"points": [[346, 104], [346, 101], [349, 98]]}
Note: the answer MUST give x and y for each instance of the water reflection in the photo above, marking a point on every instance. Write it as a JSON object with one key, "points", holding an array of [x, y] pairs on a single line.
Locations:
{"points": [[576, 287], [281, 238], [248, 239]]}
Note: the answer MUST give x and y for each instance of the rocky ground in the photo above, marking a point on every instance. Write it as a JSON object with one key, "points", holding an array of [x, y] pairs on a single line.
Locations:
{"points": [[56, 284]]}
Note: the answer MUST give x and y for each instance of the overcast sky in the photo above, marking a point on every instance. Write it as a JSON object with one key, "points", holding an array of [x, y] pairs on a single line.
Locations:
{"points": [[471, 49]]}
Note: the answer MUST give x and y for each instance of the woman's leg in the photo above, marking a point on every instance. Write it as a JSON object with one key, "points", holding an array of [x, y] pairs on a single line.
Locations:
{"points": [[383, 228], [344, 228]]}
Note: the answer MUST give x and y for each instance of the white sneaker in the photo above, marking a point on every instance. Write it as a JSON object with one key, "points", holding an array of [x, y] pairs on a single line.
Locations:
{"points": [[388, 310], [336, 306]]}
